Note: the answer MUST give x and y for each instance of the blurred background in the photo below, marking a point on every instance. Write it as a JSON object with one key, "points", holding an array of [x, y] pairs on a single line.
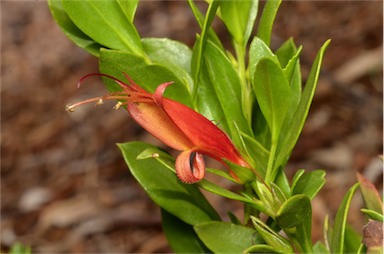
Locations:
{"points": [[64, 184]]}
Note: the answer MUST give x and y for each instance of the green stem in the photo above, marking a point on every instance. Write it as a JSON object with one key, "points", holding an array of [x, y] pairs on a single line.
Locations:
{"points": [[270, 174], [245, 91]]}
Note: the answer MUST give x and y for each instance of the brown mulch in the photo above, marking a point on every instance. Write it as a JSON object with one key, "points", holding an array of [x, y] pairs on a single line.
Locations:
{"points": [[64, 185]]}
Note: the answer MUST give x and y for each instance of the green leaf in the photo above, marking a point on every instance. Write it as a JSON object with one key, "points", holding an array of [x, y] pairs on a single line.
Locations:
{"points": [[373, 214], [273, 239], [267, 18], [71, 30], [181, 236], [262, 248], [352, 240], [257, 51], [200, 20], [283, 184], [256, 152], [293, 75], [224, 237], [272, 93], [293, 132], [148, 76], [338, 235], [220, 97], [211, 187], [309, 183], [239, 18], [106, 23], [184, 201], [320, 248], [198, 49], [174, 55], [129, 8], [286, 51], [296, 212]]}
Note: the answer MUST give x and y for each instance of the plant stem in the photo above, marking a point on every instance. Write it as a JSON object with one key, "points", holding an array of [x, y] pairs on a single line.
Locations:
{"points": [[245, 91]]}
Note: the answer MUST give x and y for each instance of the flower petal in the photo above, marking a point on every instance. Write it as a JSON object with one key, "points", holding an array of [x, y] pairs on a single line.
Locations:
{"points": [[202, 132], [190, 166], [154, 119]]}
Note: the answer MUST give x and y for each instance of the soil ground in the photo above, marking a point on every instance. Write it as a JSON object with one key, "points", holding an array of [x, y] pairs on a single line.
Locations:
{"points": [[64, 185]]}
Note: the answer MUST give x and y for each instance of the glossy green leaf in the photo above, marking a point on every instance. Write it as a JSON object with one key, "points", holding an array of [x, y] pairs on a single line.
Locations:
{"points": [[146, 75], [106, 23], [184, 201], [257, 51], [224, 237], [371, 196], [71, 30], [267, 18], [239, 18], [174, 55], [286, 51], [219, 99], [296, 213], [181, 236], [292, 73], [273, 239], [200, 20], [129, 8], [198, 49], [309, 183], [272, 93], [287, 144], [338, 235]]}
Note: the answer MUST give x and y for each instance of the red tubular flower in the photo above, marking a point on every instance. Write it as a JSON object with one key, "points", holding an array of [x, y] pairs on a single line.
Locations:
{"points": [[176, 125]]}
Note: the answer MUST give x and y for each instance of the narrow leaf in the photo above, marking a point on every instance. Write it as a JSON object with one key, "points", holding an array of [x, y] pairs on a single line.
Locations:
{"points": [[198, 49], [272, 238], [239, 18], [287, 144], [267, 18], [338, 235], [219, 99]]}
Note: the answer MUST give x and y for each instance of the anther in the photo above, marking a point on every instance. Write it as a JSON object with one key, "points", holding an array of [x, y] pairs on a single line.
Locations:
{"points": [[69, 108], [99, 102], [117, 106]]}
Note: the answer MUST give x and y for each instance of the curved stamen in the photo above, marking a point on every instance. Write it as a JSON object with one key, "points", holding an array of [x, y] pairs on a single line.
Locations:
{"points": [[128, 97], [101, 75]]}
